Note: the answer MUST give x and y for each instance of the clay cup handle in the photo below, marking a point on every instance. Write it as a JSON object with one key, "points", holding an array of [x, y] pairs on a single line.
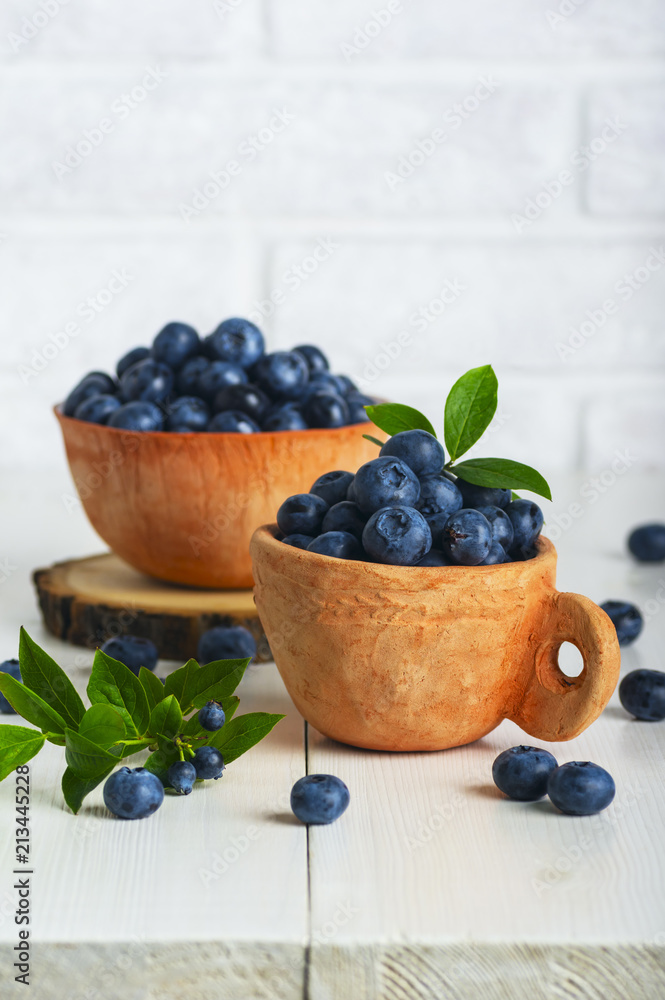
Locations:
{"points": [[555, 707]]}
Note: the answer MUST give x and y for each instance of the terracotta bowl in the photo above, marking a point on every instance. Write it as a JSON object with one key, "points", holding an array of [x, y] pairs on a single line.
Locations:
{"points": [[182, 507], [409, 658]]}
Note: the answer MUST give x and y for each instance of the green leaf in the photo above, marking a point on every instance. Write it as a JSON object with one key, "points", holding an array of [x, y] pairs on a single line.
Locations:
{"points": [[28, 704], [153, 687], [102, 724], [215, 681], [514, 495], [85, 758], [502, 474], [160, 761], [75, 789], [166, 718], [368, 437], [112, 683], [242, 733], [180, 681], [43, 676], [192, 728], [395, 417], [470, 406], [18, 745]]}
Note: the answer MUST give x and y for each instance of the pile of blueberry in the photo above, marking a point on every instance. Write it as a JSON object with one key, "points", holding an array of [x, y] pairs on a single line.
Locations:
{"points": [[578, 788], [403, 508], [224, 382]]}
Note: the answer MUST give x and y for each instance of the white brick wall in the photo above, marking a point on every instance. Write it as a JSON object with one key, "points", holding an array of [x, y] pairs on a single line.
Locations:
{"points": [[487, 177]]}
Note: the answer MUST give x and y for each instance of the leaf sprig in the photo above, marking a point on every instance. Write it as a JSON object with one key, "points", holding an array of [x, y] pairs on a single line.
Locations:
{"points": [[470, 407], [127, 714]]}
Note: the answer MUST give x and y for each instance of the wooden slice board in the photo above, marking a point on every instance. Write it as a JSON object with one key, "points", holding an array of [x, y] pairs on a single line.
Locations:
{"points": [[86, 601]]}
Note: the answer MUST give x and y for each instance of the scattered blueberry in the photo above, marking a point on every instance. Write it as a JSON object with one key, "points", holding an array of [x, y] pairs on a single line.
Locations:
{"points": [[483, 496], [211, 716], [332, 486], [339, 544], [319, 798], [647, 543], [302, 514], [420, 450], [208, 762], [9, 667], [149, 381], [501, 525], [345, 516], [642, 693], [175, 344], [181, 776], [385, 482], [626, 618], [467, 537], [187, 413], [438, 496], [315, 359], [235, 340], [233, 422], [522, 772], [137, 416], [580, 788], [132, 650], [93, 384], [399, 536], [130, 358], [298, 541], [133, 793], [326, 409], [97, 409], [225, 642]]}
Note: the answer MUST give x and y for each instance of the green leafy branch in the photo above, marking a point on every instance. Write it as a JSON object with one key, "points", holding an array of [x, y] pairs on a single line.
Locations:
{"points": [[470, 407], [127, 714]]}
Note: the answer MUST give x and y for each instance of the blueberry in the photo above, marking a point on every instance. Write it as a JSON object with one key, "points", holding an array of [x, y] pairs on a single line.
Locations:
{"points": [[187, 378], [149, 381], [580, 788], [93, 384], [527, 519], [467, 537], [356, 403], [208, 762], [235, 340], [137, 416], [302, 514], [9, 667], [437, 523], [435, 557], [187, 413], [642, 693], [326, 409], [385, 482], [133, 793], [325, 382], [501, 525], [282, 374], [216, 376], [284, 418], [348, 386], [133, 651], [319, 798], [97, 409], [245, 398], [181, 776], [225, 642], [496, 554], [438, 496], [626, 619], [345, 516], [315, 359], [211, 716], [332, 486], [175, 344], [130, 358], [399, 536], [521, 773], [647, 543], [298, 541], [338, 544], [483, 496], [233, 422], [419, 449]]}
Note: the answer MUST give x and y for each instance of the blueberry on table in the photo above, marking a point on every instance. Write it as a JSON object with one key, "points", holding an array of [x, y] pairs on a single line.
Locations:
{"points": [[399, 536], [302, 514], [419, 449], [642, 693], [522, 772], [216, 376], [345, 516], [98, 408], [133, 793], [232, 422], [647, 543], [92, 384], [9, 667], [626, 618], [149, 381], [287, 417], [315, 359], [208, 763], [225, 642], [186, 414], [467, 537], [175, 344], [338, 544], [211, 716], [438, 496], [580, 788], [137, 416], [282, 374], [326, 409], [181, 776], [526, 518], [501, 525], [245, 398], [385, 482], [318, 799], [132, 650], [332, 486], [187, 378], [130, 358], [235, 340], [483, 496], [298, 541]]}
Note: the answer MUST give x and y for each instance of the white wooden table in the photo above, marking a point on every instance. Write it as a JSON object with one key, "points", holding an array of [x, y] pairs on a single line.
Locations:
{"points": [[430, 886]]}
